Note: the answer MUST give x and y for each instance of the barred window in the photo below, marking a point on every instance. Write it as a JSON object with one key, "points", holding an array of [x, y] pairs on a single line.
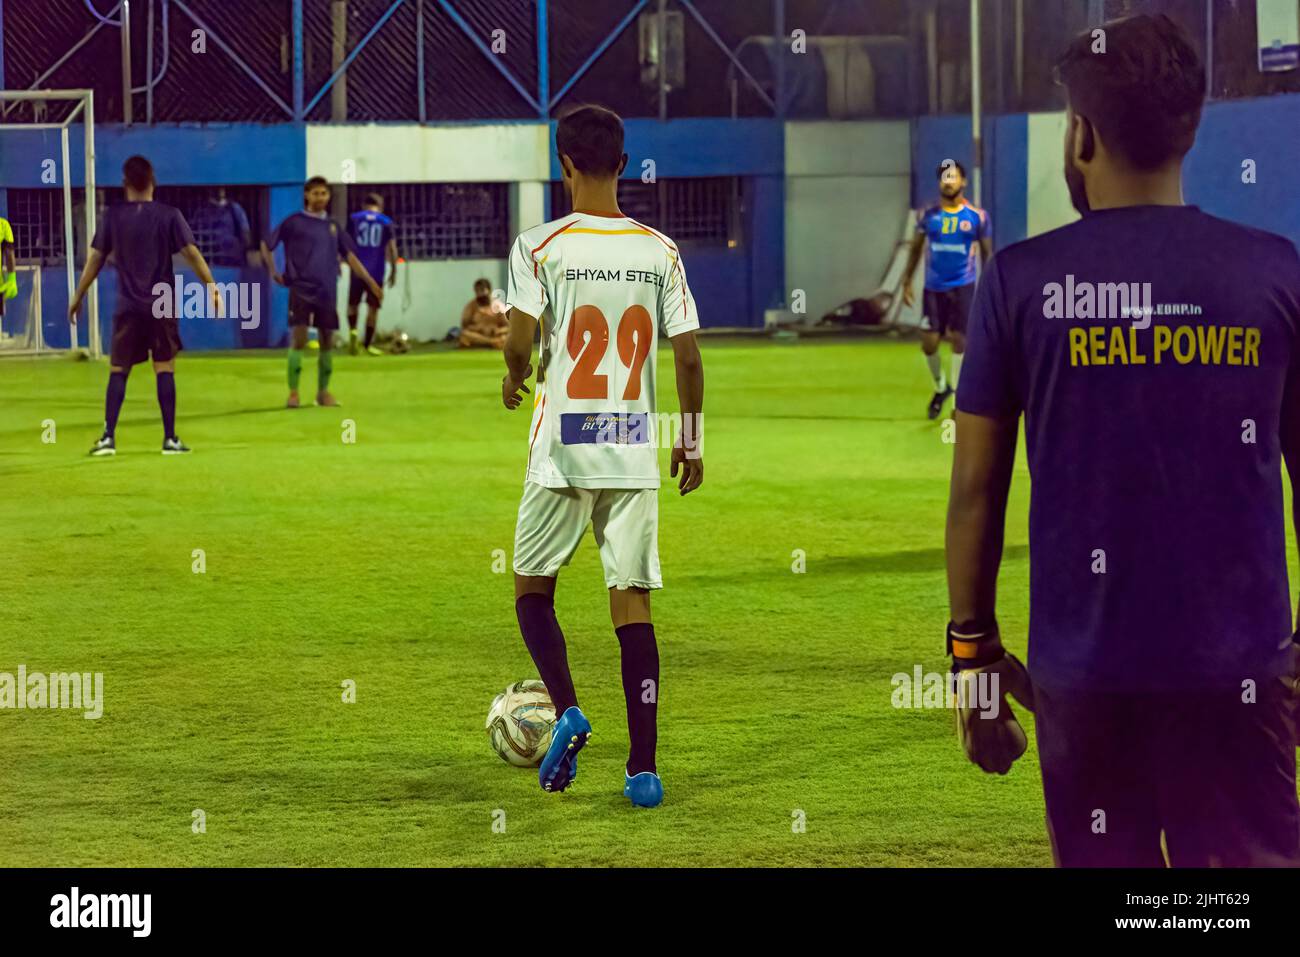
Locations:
{"points": [[703, 210], [443, 220], [37, 218], [216, 226]]}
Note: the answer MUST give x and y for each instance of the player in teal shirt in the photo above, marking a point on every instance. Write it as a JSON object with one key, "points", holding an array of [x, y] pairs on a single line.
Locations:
{"points": [[313, 246]]}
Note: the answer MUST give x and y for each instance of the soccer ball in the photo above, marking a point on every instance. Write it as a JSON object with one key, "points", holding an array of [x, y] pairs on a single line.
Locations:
{"points": [[519, 723]]}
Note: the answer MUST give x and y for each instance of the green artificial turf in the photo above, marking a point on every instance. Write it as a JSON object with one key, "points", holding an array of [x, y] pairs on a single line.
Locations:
{"points": [[374, 562]]}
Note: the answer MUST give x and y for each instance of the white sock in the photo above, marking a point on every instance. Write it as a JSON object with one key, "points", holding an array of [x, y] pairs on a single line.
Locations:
{"points": [[936, 370], [956, 368]]}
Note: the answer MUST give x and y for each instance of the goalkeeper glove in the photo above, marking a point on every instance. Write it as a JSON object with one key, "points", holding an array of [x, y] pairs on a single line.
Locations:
{"points": [[983, 674]]}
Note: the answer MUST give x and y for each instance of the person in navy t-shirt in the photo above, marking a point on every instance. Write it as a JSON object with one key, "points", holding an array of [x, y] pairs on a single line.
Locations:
{"points": [[373, 234], [956, 233], [313, 246], [141, 236], [1154, 353]]}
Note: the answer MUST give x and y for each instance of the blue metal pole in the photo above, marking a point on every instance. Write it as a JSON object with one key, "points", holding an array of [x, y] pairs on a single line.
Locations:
{"points": [[778, 32], [4, 193], [297, 61], [543, 62], [419, 55]]}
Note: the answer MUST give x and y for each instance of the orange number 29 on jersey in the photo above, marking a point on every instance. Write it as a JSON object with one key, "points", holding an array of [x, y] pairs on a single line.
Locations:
{"points": [[588, 341]]}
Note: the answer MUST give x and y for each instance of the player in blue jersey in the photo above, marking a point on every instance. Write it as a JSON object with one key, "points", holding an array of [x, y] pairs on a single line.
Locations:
{"points": [[955, 230], [375, 238], [1154, 353]]}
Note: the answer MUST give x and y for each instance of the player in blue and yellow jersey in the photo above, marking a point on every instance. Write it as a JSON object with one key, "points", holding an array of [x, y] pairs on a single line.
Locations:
{"points": [[1153, 351], [374, 236], [955, 230]]}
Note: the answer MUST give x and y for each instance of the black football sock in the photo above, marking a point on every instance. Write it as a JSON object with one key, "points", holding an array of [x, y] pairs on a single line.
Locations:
{"points": [[167, 403], [641, 689], [545, 643], [370, 333], [113, 401]]}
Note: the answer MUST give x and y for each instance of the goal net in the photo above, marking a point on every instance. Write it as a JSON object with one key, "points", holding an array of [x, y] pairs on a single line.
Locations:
{"points": [[20, 321], [49, 180]]}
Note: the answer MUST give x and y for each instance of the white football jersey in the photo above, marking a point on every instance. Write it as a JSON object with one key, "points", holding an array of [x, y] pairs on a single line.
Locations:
{"points": [[604, 288]]}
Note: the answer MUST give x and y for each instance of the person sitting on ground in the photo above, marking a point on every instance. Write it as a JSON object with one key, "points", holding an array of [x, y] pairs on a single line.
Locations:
{"points": [[483, 322]]}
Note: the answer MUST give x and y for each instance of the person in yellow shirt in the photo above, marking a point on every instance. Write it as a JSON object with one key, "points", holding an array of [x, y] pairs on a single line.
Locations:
{"points": [[8, 264]]}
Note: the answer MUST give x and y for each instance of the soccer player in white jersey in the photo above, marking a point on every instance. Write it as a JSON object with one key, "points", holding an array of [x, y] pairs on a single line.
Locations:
{"points": [[604, 288]]}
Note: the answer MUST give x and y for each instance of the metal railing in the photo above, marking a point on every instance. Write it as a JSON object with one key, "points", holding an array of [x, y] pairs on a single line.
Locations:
{"points": [[284, 61], [318, 60]]}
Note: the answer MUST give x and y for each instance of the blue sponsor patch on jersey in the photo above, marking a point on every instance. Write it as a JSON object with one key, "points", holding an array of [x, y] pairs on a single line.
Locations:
{"points": [[605, 428]]}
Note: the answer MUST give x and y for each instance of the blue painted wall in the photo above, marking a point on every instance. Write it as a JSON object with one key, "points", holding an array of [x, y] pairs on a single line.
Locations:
{"points": [[936, 138], [234, 154], [1266, 131], [731, 286], [195, 333]]}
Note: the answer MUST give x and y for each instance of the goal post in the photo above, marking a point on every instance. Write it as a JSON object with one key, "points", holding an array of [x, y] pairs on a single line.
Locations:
{"points": [[20, 322], [83, 110]]}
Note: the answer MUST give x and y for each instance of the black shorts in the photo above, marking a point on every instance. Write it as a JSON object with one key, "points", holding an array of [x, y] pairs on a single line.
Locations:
{"points": [[139, 335], [1216, 775], [946, 311], [303, 312], [358, 288]]}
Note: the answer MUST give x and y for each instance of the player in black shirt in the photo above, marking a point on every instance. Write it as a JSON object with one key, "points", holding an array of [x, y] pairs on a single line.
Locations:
{"points": [[142, 236]]}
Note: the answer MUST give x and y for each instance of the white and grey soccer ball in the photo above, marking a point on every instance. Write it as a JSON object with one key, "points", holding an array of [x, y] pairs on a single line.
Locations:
{"points": [[519, 723]]}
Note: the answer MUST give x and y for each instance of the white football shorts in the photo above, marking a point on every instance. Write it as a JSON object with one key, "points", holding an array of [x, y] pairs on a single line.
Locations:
{"points": [[625, 522]]}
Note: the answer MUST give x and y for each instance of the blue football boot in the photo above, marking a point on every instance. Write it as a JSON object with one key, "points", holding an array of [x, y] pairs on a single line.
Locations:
{"points": [[644, 789], [569, 736]]}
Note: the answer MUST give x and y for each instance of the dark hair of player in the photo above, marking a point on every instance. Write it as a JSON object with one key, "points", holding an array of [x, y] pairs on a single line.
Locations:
{"points": [[314, 181], [592, 138], [374, 199], [478, 283], [1143, 94], [945, 165], [138, 173]]}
